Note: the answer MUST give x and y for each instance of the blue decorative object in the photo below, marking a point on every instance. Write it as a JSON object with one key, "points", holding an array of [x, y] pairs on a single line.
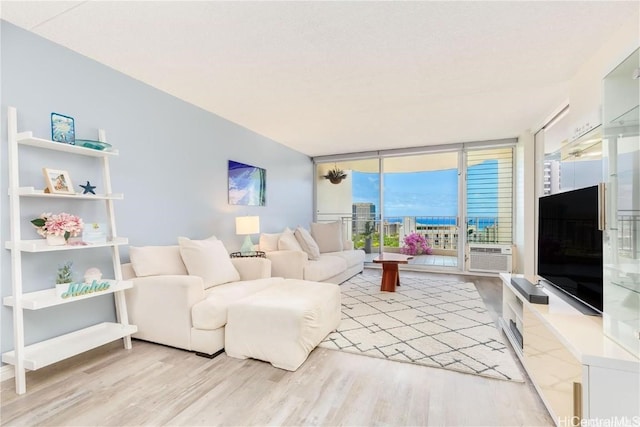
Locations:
{"points": [[96, 145], [63, 129], [76, 289], [88, 188], [247, 184]]}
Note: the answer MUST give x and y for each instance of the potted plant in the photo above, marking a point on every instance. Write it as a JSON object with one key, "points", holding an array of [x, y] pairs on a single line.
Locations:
{"points": [[58, 228], [416, 244], [65, 274], [335, 175], [368, 232]]}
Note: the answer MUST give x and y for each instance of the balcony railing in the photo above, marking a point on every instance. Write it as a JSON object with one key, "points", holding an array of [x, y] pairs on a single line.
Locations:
{"points": [[441, 231]]}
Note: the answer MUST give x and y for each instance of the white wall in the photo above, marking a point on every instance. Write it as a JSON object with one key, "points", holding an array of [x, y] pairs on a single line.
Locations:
{"points": [[524, 237], [172, 169]]}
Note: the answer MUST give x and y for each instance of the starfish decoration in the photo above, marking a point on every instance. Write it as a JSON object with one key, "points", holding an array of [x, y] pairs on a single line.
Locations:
{"points": [[88, 188]]}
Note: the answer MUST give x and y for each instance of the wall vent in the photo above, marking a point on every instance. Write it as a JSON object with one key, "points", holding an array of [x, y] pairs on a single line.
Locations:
{"points": [[490, 258]]}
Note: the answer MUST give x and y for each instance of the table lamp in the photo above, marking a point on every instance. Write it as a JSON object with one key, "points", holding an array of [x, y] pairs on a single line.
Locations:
{"points": [[247, 225]]}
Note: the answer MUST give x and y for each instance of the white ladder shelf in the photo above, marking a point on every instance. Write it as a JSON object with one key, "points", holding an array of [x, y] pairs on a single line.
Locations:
{"points": [[44, 353]]}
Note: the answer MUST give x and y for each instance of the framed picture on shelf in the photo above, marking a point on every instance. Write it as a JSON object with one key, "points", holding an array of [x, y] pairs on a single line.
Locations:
{"points": [[58, 181], [62, 129]]}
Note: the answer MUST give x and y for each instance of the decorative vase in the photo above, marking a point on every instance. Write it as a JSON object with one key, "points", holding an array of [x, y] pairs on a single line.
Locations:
{"points": [[92, 274], [54, 240], [367, 245]]}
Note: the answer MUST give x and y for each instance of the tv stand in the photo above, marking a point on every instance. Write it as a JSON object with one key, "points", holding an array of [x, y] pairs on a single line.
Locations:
{"points": [[549, 288], [578, 372]]}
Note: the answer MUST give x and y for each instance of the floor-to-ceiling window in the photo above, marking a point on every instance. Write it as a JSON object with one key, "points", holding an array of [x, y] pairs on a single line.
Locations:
{"points": [[354, 200], [421, 197], [489, 196], [452, 195]]}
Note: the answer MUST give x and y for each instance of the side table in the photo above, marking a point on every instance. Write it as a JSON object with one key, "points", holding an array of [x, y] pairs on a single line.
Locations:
{"points": [[390, 273], [252, 254]]}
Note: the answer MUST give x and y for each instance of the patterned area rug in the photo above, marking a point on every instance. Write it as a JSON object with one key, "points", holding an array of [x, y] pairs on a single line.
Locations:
{"points": [[434, 322]]}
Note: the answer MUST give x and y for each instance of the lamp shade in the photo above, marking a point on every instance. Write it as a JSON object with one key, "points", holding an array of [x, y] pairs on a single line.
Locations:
{"points": [[247, 225]]}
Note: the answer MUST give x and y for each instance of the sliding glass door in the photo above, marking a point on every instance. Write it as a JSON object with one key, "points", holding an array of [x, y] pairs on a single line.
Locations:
{"points": [[420, 200], [459, 201]]}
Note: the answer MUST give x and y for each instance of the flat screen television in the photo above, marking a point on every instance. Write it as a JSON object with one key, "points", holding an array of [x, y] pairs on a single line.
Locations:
{"points": [[570, 245]]}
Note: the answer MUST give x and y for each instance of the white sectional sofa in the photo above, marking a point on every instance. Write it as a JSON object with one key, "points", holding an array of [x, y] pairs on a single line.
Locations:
{"points": [[182, 296], [293, 255], [171, 307]]}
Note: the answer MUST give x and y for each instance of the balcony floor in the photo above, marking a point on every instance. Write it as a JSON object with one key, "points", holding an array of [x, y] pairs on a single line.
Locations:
{"points": [[424, 260]]}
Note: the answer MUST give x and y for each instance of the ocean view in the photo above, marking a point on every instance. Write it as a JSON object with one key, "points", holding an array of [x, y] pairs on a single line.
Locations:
{"points": [[432, 196]]}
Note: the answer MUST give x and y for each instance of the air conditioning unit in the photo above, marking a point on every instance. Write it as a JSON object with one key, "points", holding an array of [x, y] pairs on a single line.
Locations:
{"points": [[490, 258]]}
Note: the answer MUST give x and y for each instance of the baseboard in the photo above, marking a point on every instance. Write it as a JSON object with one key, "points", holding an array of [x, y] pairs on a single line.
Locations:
{"points": [[7, 372]]}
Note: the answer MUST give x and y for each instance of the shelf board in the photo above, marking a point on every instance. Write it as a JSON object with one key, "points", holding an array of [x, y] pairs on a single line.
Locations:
{"points": [[53, 350], [40, 245], [516, 309], [32, 192], [512, 339], [48, 297], [628, 118], [26, 138]]}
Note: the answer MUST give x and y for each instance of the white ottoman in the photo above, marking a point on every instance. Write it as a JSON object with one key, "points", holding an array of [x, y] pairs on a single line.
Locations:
{"points": [[283, 323]]}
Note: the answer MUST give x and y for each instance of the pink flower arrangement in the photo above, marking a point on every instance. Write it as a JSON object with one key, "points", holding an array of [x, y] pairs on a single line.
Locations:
{"points": [[62, 224], [415, 244]]}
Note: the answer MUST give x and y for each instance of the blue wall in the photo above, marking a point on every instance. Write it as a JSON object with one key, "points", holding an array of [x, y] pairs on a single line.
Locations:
{"points": [[172, 169]]}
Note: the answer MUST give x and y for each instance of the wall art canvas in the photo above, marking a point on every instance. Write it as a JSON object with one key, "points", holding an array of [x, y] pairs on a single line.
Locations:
{"points": [[247, 184], [62, 129]]}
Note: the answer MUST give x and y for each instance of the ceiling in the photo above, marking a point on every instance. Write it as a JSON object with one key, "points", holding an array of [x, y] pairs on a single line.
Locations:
{"points": [[336, 77]]}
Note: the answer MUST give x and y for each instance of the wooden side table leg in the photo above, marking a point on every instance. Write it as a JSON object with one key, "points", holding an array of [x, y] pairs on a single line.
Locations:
{"points": [[390, 277]]}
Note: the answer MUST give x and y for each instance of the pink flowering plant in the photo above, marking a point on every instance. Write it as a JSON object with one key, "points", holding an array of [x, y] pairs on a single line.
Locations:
{"points": [[62, 224], [415, 244]]}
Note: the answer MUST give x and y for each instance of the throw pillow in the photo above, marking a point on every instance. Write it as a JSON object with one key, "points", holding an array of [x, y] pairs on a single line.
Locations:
{"points": [[156, 260], [269, 242], [208, 259], [307, 243], [288, 241], [328, 236]]}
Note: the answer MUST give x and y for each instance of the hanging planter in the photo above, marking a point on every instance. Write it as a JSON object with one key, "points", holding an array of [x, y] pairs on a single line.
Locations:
{"points": [[335, 175]]}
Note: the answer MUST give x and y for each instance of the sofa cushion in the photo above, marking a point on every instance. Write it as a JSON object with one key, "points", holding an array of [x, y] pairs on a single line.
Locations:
{"points": [[208, 259], [307, 243], [328, 236], [352, 258], [269, 242], [211, 312], [324, 267], [156, 260], [288, 241]]}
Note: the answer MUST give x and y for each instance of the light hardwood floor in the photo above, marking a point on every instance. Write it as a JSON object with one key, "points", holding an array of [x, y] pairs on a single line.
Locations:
{"points": [[157, 385]]}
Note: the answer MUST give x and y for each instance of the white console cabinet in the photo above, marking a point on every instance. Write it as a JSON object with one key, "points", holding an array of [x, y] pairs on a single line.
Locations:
{"points": [[579, 373]]}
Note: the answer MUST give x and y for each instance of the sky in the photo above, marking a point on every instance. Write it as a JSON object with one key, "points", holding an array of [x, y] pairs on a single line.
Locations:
{"points": [[431, 193]]}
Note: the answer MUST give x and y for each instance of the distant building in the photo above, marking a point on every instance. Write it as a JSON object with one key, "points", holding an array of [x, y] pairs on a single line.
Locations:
{"points": [[391, 228], [361, 213]]}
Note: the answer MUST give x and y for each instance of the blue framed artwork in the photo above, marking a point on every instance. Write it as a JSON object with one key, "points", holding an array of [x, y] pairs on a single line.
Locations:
{"points": [[247, 184], [62, 129]]}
